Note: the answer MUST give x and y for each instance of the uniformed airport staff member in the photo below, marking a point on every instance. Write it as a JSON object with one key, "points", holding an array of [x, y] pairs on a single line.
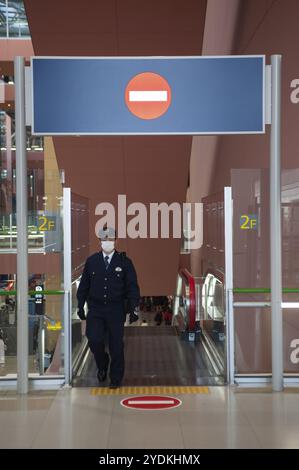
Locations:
{"points": [[108, 281]]}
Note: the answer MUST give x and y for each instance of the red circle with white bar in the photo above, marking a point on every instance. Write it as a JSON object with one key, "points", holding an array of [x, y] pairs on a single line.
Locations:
{"points": [[148, 95], [151, 402]]}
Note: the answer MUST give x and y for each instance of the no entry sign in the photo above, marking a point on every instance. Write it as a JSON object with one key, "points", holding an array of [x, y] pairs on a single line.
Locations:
{"points": [[151, 402], [146, 95]]}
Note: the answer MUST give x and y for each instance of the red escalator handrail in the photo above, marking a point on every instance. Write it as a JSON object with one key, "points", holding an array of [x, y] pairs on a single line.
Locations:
{"points": [[187, 276], [9, 286]]}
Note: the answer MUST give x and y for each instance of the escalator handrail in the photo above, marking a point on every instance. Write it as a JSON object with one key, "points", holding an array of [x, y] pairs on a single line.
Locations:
{"points": [[189, 279]]}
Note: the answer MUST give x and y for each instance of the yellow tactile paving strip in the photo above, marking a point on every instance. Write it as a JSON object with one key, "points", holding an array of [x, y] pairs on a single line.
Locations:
{"points": [[180, 390]]}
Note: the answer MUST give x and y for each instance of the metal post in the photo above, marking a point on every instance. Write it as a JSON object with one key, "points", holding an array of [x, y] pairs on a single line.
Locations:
{"points": [[10, 231], [41, 344], [67, 279], [275, 228], [22, 241], [6, 16], [229, 310], [198, 301]]}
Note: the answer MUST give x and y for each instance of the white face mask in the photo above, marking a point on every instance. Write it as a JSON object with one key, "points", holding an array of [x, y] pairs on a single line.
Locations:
{"points": [[108, 246]]}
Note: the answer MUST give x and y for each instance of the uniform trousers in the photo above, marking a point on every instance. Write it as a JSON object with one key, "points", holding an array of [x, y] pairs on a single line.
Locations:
{"points": [[106, 322]]}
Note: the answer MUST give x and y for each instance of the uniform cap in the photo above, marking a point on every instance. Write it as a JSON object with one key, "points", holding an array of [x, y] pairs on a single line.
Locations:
{"points": [[107, 232]]}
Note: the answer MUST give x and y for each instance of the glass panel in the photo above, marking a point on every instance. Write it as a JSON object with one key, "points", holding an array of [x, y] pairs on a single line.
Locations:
{"points": [[80, 252], [252, 340], [45, 333], [252, 268], [37, 235], [291, 338], [44, 232], [212, 297], [80, 233], [45, 242], [3, 18], [181, 308], [8, 327], [213, 312], [78, 327], [290, 267], [17, 21], [45, 327]]}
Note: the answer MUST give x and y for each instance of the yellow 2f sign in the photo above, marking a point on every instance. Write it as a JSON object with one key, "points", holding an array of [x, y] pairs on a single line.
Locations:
{"points": [[46, 223], [248, 222]]}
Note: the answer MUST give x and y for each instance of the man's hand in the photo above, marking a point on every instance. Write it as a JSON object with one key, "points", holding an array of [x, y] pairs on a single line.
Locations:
{"points": [[81, 314], [134, 316]]}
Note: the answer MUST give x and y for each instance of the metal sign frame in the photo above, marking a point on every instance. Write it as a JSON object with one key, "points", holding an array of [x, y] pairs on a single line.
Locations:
{"points": [[228, 57], [228, 278]]}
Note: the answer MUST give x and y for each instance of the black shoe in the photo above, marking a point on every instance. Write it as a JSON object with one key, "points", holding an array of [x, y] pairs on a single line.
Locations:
{"points": [[115, 385], [102, 374]]}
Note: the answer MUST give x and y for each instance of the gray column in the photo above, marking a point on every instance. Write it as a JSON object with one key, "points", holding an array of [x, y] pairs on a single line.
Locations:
{"points": [[22, 223], [275, 227], [67, 280], [229, 284]]}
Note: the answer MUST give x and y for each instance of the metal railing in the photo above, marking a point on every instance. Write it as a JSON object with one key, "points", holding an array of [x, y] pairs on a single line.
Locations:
{"points": [[184, 306], [265, 303], [33, 292], [262, 290]]}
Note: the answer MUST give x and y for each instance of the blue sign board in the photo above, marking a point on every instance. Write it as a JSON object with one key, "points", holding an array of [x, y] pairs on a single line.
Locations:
{"points": [[133, 95]]}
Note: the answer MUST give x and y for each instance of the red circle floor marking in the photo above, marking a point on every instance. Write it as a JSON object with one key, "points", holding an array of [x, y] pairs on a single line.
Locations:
{"points": [[148, 95], [151, 402]]}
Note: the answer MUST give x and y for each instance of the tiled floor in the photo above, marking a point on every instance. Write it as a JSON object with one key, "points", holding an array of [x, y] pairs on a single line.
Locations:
{"points": [[75, 418]]}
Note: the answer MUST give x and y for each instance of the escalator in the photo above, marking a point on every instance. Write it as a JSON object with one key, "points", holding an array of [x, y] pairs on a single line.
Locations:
{"points": [[175, 355], [155, 356]]}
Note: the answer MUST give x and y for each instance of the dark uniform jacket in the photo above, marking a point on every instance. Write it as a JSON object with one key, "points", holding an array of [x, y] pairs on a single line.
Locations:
{"points": [[100, 287]]}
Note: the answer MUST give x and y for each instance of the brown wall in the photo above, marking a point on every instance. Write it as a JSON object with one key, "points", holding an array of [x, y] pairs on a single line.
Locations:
{"points": [[220, 24], [147, 169], [266, 28], [255, 27], [152, 169], [9, 49]]}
